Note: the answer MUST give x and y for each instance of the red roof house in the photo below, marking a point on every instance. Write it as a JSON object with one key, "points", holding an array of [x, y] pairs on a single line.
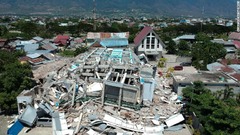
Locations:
{"points": [[234, 36], [62, 40]]}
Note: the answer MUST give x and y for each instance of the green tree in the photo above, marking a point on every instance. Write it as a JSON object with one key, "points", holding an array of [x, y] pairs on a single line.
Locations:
{"points": [[202, 37], [183, 48], [205, 52], [14, 77], [3, 31], [171, 46], [218, 117]]}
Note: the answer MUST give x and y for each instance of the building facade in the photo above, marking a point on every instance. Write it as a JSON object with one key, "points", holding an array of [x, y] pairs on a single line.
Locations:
{"points": [[149, 43]]}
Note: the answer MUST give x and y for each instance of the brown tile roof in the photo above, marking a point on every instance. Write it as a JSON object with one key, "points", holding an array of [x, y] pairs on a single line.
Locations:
{"points": [[36, 60], [25, 58], [227, 69], [237, 44], [234, 36], [138, 39], [232, 61], [236, 76], [61, 39]]}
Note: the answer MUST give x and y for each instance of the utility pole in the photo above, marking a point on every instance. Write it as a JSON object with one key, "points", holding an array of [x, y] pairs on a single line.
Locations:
{"points": [[203, 10], [238, 16], [94, 15]]}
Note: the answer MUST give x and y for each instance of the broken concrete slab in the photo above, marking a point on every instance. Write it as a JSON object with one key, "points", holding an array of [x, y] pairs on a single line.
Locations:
{"points": [[118, 122], [175, 119], [29, 116]]}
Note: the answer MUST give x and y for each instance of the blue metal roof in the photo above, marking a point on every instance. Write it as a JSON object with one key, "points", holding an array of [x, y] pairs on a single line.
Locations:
{"points": [[39, 52], [15, 128], [236, 67], [214, 66], [27, 47], [114, 42], [34, 55]]}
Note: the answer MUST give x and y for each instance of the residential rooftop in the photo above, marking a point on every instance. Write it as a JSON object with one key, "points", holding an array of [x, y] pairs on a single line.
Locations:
{"points": [[205, 77]]}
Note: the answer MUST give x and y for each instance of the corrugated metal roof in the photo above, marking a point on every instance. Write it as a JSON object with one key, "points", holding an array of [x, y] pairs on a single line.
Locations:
{"points": [[236, 67], [237, 44], [215, 66], [236, 76], [105, 35], [15, 128], [221, 41], [114, 42], [35, 55], [232, 61], [38, 39], [234, 36], [186, 37], [39, 51], [49, 47], [29, 47]]}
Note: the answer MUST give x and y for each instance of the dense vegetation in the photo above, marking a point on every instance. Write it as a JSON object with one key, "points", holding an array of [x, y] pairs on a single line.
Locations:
{"points": [[204, 52], [203, 44], [14, 78], [218, 112], [27, 30]]}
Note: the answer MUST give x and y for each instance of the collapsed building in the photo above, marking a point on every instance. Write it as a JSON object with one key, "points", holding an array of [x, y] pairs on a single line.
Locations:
{"points": [[106, 90]]}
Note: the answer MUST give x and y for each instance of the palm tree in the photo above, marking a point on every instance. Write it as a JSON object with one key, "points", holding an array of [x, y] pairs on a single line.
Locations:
{"points": [[219, 94], [228, 92]]}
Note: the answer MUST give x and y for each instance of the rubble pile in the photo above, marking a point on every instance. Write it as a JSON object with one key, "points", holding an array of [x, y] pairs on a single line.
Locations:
{"points": [[105, 91]]}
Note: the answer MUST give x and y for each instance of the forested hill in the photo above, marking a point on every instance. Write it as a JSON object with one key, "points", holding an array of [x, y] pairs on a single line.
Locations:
{"points": [[212, 8]]}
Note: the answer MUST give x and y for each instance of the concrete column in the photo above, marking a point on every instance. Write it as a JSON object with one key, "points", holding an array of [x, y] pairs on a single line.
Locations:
{"points": [[74, 93], [120, 99], [103, 94]]}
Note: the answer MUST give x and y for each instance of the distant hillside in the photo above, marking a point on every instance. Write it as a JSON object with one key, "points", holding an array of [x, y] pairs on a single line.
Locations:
{"points": [[212, 8]]}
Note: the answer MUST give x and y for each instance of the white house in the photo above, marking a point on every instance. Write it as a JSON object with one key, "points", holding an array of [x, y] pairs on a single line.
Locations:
{"points": [[149, 43]]}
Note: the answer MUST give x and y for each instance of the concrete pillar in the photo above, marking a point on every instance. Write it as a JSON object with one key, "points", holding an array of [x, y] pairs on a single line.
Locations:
{"points": [[103, 94], [120, 99]]}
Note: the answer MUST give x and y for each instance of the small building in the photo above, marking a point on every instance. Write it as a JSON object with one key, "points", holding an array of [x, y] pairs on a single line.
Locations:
{"points": [[114, 42], [38, 39], [235, 38], [215, 81], [27, 46], [228, 67], [50, 47], [187, 38], [62, 40], [229, 46], [149, 43], [106, 39]]}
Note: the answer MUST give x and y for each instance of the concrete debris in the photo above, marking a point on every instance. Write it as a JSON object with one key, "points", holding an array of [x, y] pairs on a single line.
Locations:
{"points": [[175, 119], [29, 116], [175, 128], [92, 132], [105, 91], [156, 122]]}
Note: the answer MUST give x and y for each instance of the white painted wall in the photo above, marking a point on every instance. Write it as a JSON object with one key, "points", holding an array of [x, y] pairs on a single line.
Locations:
{"points": [[143, 47]]}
